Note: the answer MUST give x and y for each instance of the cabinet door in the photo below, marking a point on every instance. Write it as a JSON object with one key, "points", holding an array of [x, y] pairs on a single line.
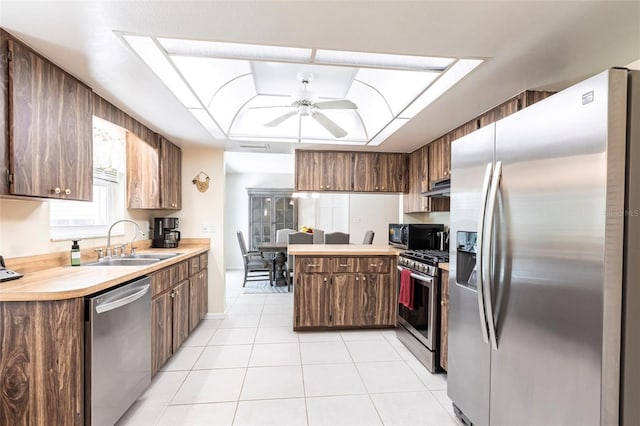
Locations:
{"points": [[439, 159], [50, 129], [161, 330], [312, 304], [308, 169], [444, 319], [336, 171], [413, 201], [203, 306], [347, 294], [392, 173], [364, 172], [170, 175], [423, 171], [143, 173], [180, 314], [197, 298]]}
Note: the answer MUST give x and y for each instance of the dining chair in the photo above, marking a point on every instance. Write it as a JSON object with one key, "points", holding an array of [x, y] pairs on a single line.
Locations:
{"points": [[318, 236], [368, 237], [295, 238], [256, 267], [281, 234], [336, 238]]}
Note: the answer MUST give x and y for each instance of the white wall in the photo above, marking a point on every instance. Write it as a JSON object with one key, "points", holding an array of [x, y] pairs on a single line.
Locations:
{"points": [[25, 231], [365, 211], [236, 206], [202, 214]]}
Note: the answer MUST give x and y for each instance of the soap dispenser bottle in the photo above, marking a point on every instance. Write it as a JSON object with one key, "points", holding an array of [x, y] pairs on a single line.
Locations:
{"points": [[75, 254]]}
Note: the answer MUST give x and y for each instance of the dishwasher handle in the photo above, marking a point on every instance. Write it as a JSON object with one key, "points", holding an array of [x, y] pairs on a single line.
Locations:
{"points": [[115, 304]]}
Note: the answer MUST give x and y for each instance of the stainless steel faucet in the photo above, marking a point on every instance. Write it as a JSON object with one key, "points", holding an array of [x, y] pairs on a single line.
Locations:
{"points": [[108, 253]]}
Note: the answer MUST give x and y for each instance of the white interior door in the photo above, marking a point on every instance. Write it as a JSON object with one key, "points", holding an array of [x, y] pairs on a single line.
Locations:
{"points": [[332, 212]]}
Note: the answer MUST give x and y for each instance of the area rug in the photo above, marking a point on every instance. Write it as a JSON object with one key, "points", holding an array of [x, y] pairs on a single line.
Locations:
{"points": [[263, 287]]}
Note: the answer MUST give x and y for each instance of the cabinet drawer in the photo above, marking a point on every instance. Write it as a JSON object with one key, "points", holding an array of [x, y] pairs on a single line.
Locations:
{"points": [[180, 272], [194, 264], [204, 260], [312, 264], [374, 264], [361, 264], [344, 264], [161, 281]]}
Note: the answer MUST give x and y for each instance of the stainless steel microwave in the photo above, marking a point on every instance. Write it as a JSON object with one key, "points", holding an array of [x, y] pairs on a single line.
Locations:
{"points": [[415, 236]]}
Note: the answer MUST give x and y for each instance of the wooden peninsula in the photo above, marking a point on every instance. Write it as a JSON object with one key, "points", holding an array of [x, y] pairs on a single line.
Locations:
{"points": [[344, 286]]}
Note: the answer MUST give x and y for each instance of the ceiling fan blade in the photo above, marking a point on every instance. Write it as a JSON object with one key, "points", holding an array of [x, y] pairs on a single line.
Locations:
{"points": [[330, 125], [341, 104], [272, 106], [281, 119]]}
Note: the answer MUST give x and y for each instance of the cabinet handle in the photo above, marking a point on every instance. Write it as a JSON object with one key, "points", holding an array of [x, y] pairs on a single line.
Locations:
{"points": [[325, 279], [321, 186], [377, 188], [312, 265], [357, 278], [57, 191], [383, 188], [67, 191], [373, 265], [344, 265], [172, 294], [364, 278]]}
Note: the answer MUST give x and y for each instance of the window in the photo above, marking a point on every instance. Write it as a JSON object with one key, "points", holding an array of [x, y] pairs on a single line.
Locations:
{"points": [[81, 219]]}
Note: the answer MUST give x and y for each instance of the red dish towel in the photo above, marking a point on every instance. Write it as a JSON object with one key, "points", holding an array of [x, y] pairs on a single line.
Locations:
{"points": [[406, 289]]}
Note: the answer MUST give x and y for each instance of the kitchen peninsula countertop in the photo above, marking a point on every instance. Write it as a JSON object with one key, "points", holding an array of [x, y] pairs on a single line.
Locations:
{"points": [[444, 266], [342, 250], [67, 282]]}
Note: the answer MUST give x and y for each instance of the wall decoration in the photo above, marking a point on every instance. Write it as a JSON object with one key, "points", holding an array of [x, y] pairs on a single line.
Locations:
{"points": [[201, 181]]}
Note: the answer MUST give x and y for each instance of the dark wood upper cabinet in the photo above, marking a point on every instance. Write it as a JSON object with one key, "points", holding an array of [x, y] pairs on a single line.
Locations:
{"points": [[379, 172], [323, 171], [50, 128], [346, 171], [170, 175], [143, 173], [154, 173]]}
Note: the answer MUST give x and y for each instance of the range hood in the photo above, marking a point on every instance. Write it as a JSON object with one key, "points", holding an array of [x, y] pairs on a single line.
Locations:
{"points": [[440, 189]]}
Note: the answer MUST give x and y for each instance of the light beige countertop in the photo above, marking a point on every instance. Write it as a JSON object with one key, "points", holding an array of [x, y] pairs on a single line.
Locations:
{"points": [[342, 250], [67, 282], [444, 266]]}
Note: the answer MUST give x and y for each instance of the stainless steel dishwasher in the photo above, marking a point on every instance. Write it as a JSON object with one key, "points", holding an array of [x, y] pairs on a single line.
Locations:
{"points": [[117, 350]]}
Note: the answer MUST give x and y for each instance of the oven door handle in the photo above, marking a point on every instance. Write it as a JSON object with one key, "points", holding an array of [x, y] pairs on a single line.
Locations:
{"points": [[418, 277]]}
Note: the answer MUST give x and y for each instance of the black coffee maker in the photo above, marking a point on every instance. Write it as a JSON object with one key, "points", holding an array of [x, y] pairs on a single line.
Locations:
{"points": [[165, 234]]}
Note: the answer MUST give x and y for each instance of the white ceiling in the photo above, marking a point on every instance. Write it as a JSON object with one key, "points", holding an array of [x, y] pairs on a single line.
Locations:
{"points": [[530, 45]]}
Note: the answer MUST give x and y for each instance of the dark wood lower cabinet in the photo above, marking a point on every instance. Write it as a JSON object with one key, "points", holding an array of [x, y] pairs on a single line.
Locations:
{"points": [[311, 301], [346, 292], [161, 331], [180, 314], [42, 363], [444, 319], [177, 307]]}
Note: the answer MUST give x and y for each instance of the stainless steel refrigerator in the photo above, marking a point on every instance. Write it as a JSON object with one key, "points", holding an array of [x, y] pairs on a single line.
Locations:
{"points": [[544, 291]]}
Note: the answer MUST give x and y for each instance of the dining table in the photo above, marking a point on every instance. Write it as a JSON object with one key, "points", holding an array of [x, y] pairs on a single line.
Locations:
{"points": [[279, 259]]}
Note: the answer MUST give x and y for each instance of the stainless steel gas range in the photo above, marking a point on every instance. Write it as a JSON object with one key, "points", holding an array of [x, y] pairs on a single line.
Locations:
{"points": [[419, 312]]}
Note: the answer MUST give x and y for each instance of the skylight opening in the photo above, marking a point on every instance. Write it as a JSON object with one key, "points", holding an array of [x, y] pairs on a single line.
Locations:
{"points": [[279, 94]]}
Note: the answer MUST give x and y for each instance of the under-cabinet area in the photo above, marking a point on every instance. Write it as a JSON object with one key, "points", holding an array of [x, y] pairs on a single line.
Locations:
{"points": [[45, 322]]}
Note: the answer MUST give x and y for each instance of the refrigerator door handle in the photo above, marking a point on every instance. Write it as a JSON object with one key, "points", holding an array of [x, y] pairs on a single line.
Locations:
{"points": [[479, 254], [486, 260]]}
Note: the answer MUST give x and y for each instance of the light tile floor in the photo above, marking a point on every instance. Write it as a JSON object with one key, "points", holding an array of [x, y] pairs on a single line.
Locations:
{"points": [[251, 369]]}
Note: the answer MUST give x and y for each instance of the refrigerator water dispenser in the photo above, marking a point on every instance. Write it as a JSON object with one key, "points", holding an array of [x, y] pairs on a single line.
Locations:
{"points": [[466, 258]]}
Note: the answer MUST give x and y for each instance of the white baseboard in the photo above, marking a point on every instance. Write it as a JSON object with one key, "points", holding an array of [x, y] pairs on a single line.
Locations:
{"points": [[215, 316]]}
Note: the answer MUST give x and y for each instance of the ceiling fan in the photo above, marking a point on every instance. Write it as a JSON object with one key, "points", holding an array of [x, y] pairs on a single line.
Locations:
{"points": [[303, 103]]}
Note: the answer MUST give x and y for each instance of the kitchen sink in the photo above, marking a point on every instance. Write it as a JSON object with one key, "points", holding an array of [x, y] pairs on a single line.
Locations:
{"points": [[125, 261], [161, 256]]}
